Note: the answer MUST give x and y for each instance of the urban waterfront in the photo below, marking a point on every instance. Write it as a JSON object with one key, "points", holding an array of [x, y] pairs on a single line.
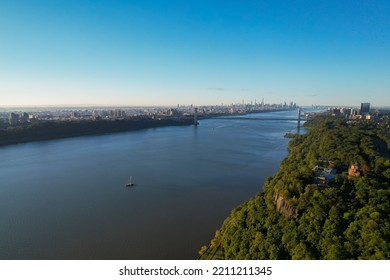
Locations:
{"points": [[66, 199]]}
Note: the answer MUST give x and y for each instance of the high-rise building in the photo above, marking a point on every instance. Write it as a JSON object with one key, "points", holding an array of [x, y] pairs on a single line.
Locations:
{"points": [[364, 108], [24, 118], [13, 119]]}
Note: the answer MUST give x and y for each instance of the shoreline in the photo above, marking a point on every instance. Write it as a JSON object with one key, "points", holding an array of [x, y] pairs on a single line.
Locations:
{"points": [[52, 130], [61, 130]]}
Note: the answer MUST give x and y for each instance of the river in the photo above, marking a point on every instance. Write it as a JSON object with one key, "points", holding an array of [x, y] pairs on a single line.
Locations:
{"points": [[67, 199]]}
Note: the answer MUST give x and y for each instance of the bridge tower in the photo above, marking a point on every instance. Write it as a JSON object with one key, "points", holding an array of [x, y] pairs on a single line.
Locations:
{"points": [[196, 117], [299, 117]]}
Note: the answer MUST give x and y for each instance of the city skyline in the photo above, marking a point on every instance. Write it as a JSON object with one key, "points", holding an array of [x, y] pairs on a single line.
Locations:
{"points": [[163, 53]]}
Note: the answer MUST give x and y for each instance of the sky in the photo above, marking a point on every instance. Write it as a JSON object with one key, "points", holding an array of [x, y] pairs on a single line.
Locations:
{"points": [[142, 52]]}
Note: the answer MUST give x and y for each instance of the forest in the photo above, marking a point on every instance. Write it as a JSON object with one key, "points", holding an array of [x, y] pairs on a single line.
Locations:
{"points": [[296, 217]]}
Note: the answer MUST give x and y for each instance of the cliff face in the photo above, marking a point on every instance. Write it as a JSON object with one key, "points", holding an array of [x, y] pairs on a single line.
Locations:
{"points": [[282, 206]]}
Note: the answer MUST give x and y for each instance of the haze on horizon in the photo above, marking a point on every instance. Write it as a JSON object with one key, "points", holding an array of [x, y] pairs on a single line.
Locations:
{"points": [[144, 53]]}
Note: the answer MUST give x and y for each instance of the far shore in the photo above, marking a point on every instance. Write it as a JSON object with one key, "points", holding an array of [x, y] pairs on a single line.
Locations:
{"points": [[50, 130]]}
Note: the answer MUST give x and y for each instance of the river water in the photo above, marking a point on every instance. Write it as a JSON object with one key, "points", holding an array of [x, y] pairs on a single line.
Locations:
{"points": [[67, 199]]}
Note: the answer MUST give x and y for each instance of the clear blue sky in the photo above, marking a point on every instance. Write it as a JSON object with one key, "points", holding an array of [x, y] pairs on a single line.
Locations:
{"points": [[166, 52]]}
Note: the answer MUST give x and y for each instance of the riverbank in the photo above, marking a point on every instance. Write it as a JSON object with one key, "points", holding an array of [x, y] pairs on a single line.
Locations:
{"points": [[57, 130]]}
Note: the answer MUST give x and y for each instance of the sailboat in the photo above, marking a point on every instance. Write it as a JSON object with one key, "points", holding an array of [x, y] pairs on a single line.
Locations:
{"points": [[130, 183]]}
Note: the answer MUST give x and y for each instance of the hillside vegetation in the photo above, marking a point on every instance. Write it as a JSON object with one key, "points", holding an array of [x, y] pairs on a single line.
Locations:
{"points": [[298, 217]]}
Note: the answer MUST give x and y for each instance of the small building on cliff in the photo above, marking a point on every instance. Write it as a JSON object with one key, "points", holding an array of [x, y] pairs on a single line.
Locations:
{"points": [[354, 170]]}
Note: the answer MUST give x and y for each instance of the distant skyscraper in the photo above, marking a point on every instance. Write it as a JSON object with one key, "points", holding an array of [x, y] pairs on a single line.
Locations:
{"points": [[364, 108], [24, 118], [13, 119]]}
